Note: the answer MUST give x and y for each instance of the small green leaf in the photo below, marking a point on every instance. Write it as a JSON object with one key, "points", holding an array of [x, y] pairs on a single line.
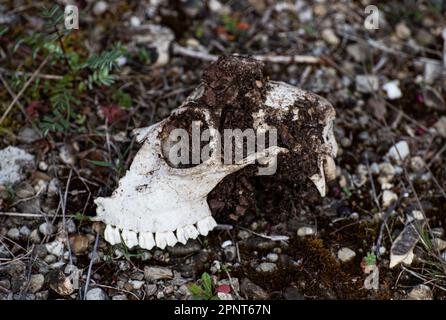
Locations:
{"points": [[101, 163], [196, 291], [207, 282]]}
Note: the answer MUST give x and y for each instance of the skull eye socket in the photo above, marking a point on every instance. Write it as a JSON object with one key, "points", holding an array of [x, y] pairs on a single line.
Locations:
{"points": [[181, 140]]}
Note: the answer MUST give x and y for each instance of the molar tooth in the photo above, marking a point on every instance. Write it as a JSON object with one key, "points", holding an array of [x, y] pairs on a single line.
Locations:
{"points": [[146, 240], [181, 235], [206, 225], [111, 235], [330, 168], [170, 238], [160, 239], [191, 232], [130, 238]]}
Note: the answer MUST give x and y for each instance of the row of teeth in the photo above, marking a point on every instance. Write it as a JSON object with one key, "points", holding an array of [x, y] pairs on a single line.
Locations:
{"points": [[148, 240]]}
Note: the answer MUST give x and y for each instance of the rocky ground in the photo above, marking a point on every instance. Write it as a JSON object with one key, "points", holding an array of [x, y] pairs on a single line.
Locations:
{"points": [[387, 203]]}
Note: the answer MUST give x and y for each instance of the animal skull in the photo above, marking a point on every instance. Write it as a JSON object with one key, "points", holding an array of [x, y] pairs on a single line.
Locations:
{"points": [[157, 204]]}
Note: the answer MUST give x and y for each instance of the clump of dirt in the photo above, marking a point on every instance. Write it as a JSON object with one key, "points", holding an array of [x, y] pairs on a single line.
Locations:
{"points": [[235, 88]]}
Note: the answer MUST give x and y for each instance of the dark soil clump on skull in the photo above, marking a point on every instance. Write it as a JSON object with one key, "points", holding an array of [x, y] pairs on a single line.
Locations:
{"points": [[235, 88]]}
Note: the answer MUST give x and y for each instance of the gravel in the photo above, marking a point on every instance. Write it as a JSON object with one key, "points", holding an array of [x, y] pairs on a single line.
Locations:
{"points": [[157, 273], [346, 254], [266, 267], [96, 294]]}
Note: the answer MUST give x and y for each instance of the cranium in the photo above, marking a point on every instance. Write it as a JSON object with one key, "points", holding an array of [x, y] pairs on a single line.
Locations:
{"points": [[159, 204]]}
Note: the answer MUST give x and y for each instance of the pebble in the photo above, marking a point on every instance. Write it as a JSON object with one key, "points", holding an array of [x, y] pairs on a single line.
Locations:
{"points": [[46, 229], [330, 37], [433, 99], [157, 273], [417, 164], [440, 126], [230, 253], [100, 7], [432, 70], [252, 291], [402, 31], [36, 282], [366, 83], [79, 243], [272, 257], [292, 293], [13, 234], [439, 244], [120, 297], [226, 243], [13, 160], [53, 187], [34, 237], [24, 190], [388, 198], [96, 294], [66, 156], [55, 248], [357, 51], [420, 292], [50, 259], [42, 295], [60, 283], [24, 231], [392, 89], [266, 267], [43, 166], [136, 284], [151, 289], [346, 254], [243, 234], [135, 21], [306, 231], [400, 149], [27, 135]]}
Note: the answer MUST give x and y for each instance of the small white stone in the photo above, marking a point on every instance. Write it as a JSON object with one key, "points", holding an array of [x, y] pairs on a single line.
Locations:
{"points": [[13, 234], [12, 160], [439, 244], [121, 61], [366, 83], [392, 90], [100, 7], [43, 166], [34, 237], [135, 21], [272, 257], [306, 231], [388, 198], [266, 267], [136, 284], [56, 248], [24, 231], [226, 243], [46, 229], [346, 254], [400, 149], [402, 31], [330, 37], [96, 294], [36, 282], [420, 292]]}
